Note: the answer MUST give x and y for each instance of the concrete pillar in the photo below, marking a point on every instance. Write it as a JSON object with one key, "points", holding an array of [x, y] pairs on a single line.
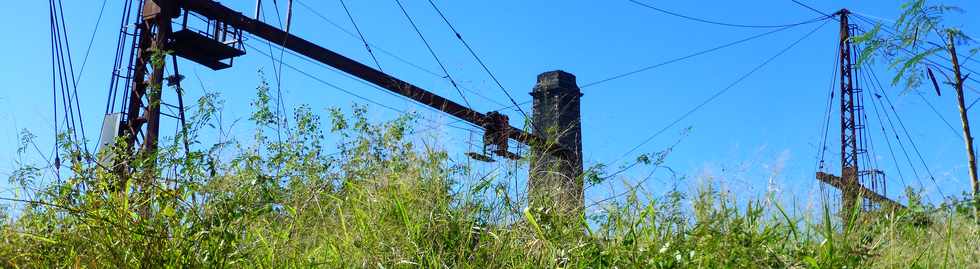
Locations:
{"points": [[556, 178]]}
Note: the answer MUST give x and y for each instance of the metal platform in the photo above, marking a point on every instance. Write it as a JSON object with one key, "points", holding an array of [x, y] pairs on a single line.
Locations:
{"points": [[194, 46]]}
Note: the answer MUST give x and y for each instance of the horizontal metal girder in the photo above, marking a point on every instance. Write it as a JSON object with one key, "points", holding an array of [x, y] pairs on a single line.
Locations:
{"points": [[839, 183], [214, 10]]}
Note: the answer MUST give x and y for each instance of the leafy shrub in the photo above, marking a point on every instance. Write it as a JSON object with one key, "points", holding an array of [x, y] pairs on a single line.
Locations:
{"points": [[386, 198]]}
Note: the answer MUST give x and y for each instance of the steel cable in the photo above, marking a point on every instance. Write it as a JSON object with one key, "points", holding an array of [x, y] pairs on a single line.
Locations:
{"points": [[675, 14], [720, 92]]}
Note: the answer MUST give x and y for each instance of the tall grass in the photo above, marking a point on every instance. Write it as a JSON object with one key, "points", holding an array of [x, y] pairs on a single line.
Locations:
{"points": [[387, 199]]}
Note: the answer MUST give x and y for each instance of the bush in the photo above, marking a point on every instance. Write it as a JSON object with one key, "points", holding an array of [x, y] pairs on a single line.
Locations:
{"points": [[388, 198]]}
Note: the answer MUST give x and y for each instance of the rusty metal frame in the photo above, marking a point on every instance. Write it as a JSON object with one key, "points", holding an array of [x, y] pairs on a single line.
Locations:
{"points": [[215, 10], [849, 182]]}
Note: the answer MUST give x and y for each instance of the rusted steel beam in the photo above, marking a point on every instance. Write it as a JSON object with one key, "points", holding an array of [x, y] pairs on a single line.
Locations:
{"points": [[839, 183], [215, 10]]}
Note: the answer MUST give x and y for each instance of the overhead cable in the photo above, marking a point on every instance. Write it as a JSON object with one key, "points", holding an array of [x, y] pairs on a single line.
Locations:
{"points": [[720, 92], [434, 56], [479, 60], [361, 35], [675, 14], [906, 131], [350, 33], [678, 59], [91, 40]]}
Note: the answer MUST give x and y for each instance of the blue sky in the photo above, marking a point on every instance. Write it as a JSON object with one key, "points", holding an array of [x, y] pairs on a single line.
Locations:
{"points": [[762, 134]]}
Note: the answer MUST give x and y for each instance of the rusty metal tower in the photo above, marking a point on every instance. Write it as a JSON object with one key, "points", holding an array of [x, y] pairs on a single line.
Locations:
{"points": [[149, 39], [211, 34], [854, 182], [850, 108]]}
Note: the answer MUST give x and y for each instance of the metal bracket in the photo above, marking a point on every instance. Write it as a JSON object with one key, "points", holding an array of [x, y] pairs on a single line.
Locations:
{"points": [[495, 138]]}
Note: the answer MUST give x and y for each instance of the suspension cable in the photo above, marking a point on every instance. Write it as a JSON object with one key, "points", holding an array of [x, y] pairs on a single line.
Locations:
{"points": [[65, 78], [91, 40], [54, 94], [811, 8], [936, 111], [866, 77], [64, 50], [911, 53], [685, 57], [675, 14], [873, 21], [720, 92], [361, 35], [887, 138], [907, 135], [277, 74], [825, 129], [904, 50], [901, 145], [869, 156], [434, 56], [480, 61], [351, 34]]}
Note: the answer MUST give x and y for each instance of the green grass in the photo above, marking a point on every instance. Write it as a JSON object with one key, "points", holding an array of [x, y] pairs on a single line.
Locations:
{"points": [[389, 199]]}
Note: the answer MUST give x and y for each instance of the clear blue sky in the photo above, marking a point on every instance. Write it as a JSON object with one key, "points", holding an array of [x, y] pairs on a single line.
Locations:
{"points": [[761, 135]]}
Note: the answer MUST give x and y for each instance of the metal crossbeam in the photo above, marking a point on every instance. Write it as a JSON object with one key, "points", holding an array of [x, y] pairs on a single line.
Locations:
{"points": [[840, 184], [216, 11]]}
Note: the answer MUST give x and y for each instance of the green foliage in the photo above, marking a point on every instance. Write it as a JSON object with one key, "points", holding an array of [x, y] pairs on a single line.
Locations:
{"points": [[907, 46], [387, 199]]}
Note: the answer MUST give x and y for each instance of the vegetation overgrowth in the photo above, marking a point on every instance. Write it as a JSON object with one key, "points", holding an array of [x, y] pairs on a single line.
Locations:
{"points": [[388, 198], [347, 192]]}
